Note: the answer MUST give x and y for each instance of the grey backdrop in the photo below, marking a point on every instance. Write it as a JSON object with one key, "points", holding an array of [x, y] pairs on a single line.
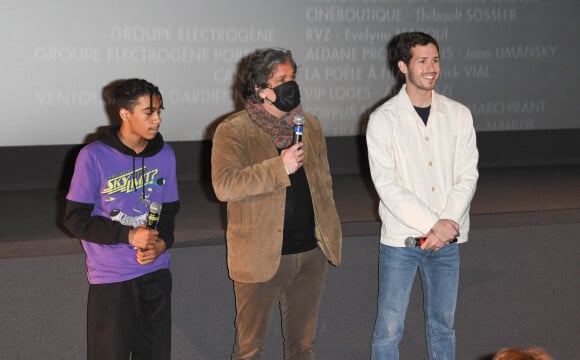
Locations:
{"points": [[512, 62]]}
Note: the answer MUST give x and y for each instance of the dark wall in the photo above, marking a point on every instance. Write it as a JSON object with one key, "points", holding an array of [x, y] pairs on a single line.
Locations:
{"points": [[50, 167], [516, 289]]}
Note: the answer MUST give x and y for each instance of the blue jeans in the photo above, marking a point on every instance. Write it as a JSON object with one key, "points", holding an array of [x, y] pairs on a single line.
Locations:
{"points": [[439, 272]]}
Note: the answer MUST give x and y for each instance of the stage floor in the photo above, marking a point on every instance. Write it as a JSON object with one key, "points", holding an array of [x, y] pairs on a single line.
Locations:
{"points": [[505, 197]]}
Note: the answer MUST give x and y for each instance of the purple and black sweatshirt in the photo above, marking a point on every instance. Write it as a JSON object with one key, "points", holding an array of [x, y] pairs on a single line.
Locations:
{"points": [[110, 193]]}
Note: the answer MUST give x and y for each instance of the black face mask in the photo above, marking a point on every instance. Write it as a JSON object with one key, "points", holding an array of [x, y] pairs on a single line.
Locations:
{"points": [[287, 96]]}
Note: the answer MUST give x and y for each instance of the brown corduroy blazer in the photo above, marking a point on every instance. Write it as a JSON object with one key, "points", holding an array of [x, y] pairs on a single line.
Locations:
{"points": [[249, 175]]}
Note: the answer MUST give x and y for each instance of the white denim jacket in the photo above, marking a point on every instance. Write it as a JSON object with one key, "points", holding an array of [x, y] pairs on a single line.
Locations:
{"points": [[422, 173]]}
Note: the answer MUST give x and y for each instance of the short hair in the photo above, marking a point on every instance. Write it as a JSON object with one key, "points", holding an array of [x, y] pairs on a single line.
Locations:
{"points": [[408, 40], [259, 67], [522, 354], [127, 92]]}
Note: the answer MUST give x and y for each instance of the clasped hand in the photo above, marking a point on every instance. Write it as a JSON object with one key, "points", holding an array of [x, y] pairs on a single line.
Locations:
{"points": [[442, 233], [147, 244]]}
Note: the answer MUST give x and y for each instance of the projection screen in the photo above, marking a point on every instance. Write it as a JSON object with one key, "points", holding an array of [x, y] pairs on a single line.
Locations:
{"points": [[513, 62]]}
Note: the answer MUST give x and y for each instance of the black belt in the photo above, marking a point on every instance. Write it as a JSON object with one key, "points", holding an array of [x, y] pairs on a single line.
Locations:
{"points": [[418, 241]]}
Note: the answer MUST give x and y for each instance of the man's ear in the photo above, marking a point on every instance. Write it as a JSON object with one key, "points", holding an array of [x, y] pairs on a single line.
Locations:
{"points": [[124, 114], [402, 67], [260, 92]]}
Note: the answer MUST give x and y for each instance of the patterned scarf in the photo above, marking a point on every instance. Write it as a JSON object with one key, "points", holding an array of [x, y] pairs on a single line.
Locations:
{"points": [[281, 130]]}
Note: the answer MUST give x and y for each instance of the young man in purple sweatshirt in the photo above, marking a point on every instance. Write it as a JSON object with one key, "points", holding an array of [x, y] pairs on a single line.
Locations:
{"points": [[115, 181]]}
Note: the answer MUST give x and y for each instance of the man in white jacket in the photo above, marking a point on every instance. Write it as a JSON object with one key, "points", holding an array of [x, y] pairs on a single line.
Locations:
{"points": [[423, 161]]}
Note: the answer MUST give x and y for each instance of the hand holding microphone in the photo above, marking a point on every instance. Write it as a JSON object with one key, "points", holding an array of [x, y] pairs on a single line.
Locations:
{"points": [[429, 242], [293, 157], [145, 236], [153, 247]]}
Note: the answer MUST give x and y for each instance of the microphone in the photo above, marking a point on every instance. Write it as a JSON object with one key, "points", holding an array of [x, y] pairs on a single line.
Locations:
{"points": [[413, 241], [298, 128], [154, 214]]}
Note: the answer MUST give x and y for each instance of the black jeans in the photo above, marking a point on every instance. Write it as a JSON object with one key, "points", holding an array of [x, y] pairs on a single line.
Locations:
{"points": [[130, 319]]}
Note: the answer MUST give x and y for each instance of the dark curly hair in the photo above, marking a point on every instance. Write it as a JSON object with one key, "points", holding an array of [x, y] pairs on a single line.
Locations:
{"points": [[259, 67], [127, 92]]}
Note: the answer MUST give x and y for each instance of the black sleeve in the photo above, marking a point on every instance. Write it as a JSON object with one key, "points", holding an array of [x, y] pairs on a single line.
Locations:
{"points": [[166, 224], [95, 229]]}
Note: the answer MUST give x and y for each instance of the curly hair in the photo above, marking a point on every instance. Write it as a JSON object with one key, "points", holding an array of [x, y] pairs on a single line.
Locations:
{"points": [[259, 67], [127, 92]]}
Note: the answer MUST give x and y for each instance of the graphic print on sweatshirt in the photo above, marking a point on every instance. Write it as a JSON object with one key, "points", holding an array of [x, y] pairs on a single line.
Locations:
{"points": [[129, 194]]}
